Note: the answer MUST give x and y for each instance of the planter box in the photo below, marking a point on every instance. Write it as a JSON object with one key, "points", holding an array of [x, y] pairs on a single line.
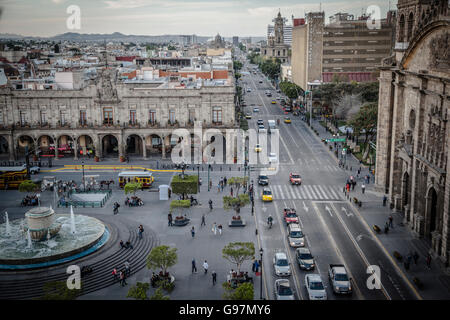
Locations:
{"points": [[237, 223], [180, 222]]}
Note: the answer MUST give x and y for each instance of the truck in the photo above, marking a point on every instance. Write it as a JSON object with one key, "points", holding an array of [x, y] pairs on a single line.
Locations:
{"points": [[339, 279], [271, 124]]}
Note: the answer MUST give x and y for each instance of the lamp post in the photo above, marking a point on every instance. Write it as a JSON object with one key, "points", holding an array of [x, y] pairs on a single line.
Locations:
{"points": [[260, 289], [84, 185], [209, 168], [198, 178]]}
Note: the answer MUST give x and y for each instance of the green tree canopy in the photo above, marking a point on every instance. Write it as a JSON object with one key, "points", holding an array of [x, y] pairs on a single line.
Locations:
{"points": [[139, 291], [238, 252], [162, 257], [244, 291], [237, 182], [291, 90], [132, 187], [28, 186], [365, 121], [179, 205], [159, 295], [184, 186]]}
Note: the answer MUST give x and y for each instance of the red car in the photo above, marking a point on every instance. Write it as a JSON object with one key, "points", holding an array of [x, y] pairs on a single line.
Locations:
{"points": [[294, 178], [290, 215]]}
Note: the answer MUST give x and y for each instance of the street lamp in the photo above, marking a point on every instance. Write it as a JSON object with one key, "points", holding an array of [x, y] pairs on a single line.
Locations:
{"points": [[84, 185], [198, 178], [260, 289]]}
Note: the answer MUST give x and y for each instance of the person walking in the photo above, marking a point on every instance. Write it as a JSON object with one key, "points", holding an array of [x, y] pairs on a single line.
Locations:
{"points": [[193, 232], [214, 277], [141, 231], [203, 221], [384, 200], [210, 184], [256, 266], [169, 217], [205, 266], [391, 221], [127, 267], [194, 267], [231, 191], [214, 228], [218, 187], [122, 278], [115, 275], [225, 181], [210, 205], [219, 227], [363, 188], [429, 261]]}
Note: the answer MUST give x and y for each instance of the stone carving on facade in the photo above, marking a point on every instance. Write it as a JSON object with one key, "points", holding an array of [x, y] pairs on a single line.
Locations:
{"points": [[106, 91], [440, 58]]}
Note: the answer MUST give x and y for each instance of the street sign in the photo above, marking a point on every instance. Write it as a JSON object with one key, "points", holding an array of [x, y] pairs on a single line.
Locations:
{"points": [[336, 140]]}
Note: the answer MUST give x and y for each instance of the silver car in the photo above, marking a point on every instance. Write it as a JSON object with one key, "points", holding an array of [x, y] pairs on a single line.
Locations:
{"points": [[296, 237], [315, 287], [305, 259], [283, 290], [281, 265]]}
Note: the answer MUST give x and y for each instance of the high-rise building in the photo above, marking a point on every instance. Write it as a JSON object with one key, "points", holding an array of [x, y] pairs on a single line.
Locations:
{"points": [[235, 41]]}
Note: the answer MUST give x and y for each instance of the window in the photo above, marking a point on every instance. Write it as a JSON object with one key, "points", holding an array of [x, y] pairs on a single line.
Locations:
{"points": [[171, 116], [43, 118], [410, 26], [401, 29], [217, 115], [82, 117], [23, 118], [63, 117], [152, 117], [132, 116], [1, 117], [191, 115], [107, 115]]}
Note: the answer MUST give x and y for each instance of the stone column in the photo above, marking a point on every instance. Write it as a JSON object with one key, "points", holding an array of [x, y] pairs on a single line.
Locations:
{"points": [[144, 148], [75, 148], [55, 139], [120, 145], [163, 149], [98, 147], [11, 146]]}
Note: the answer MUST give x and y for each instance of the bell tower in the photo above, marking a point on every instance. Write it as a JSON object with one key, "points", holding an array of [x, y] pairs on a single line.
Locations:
{"points": [[279, 28]]}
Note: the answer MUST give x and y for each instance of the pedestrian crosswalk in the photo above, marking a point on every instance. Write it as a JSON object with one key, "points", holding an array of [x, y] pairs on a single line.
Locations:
{"points": [[304, 192], [312, 164]]}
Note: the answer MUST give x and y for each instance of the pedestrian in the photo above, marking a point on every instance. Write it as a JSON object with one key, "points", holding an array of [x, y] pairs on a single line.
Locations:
{"points": [[193, 231], [214, 277], [219, 227], [225, 181], [141, 231], [210, 184], [415, 257], [363, 188], [121, 244], [203, 220], [169, 217], [391, 221], [127, 267], [429, 261], [122, 278], [386, 227], [170, 192], [218, 187], [205, 266], [194, 267], [115, 275], [254, 266], [231, 191], [384, 200], [214, 228]]}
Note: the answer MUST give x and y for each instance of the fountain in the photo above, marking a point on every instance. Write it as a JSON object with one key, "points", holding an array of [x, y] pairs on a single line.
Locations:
{"points": [[43, 238], [8, 227], [72, 221]]}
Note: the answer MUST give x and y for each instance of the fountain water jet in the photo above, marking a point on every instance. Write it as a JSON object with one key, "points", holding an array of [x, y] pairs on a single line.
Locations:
{"points": [[30, 243], [72, 221], [8, 227]]}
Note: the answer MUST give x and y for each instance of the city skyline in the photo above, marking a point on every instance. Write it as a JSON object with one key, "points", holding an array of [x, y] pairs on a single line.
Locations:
{"points": [[47, 18]]}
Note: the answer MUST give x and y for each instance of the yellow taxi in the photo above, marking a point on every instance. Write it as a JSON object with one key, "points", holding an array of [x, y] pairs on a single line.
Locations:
{"points": [[287, 120], [267, 195], [274, 101], [258, 148], [248, 115]]}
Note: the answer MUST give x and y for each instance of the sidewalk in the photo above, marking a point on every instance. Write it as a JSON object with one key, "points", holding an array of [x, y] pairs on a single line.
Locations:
{"points": [[400, 238]]}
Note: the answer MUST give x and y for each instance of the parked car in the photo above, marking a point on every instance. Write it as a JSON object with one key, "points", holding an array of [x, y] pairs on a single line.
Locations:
{"points": [[281, 265], [263, 180], [283, 290], [305, 259], [315, 287], [339, 279], [296, 238]]}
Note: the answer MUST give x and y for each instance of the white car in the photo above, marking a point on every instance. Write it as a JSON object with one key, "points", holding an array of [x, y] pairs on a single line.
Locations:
{"points": [[281, 265], [283, 290], [261, 128], [314, 287], [272, 157]]}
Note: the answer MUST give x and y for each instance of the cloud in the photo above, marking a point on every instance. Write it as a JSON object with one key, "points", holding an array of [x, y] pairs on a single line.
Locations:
{"points": [[127, 4], [58, 1]]}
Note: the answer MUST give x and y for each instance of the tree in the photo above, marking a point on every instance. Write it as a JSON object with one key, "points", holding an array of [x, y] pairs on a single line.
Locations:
{"points": [[162, 257], [237, 65], [365, 121], [347, 106], [236, 203], [184, 186], [159, 295], [291, 90], [244, 291], [171, 47], [58, 290], [139, 291], [132, 187], [179, 205], [237, 183], [28, 186], [238, 252]]}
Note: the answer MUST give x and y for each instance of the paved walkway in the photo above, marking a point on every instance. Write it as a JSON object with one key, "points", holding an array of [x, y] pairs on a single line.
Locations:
{"points": [[400, 238]]}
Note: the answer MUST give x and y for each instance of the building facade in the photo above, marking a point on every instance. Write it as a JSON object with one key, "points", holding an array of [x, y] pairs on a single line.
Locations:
{"points": [[413, 137], [287, 32], [276, 48], [111, 118]]}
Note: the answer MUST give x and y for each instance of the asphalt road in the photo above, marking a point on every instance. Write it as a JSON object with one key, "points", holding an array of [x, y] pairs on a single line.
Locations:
{"points": [[335, 232]]}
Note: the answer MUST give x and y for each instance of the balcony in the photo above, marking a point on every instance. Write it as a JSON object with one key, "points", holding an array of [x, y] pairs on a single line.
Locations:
{"points": [[153, 124]]}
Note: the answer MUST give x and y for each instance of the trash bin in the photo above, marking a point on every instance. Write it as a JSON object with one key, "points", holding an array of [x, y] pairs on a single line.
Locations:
{"points": [[164, 192]]}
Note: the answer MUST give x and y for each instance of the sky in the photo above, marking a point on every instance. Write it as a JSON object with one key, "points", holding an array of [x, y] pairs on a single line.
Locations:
{"points": [[159, 17]]}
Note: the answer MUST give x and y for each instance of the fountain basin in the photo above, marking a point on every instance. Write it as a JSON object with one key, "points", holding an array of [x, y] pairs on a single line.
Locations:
{"points": [[64, 246]]}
